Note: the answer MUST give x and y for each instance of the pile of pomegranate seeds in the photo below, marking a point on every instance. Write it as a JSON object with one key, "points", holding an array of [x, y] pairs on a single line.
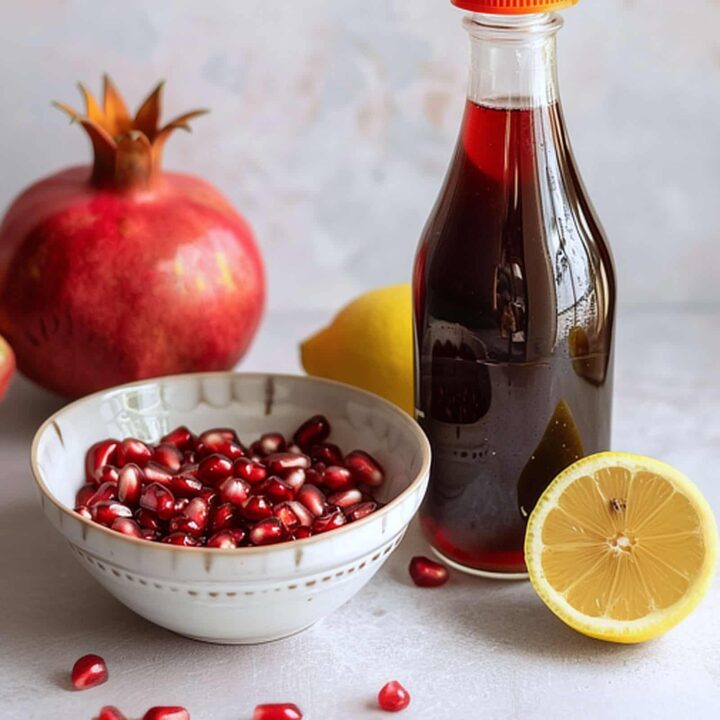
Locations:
{"points": [[88, 671], [211, 490], [427, 573], [393, 697]]}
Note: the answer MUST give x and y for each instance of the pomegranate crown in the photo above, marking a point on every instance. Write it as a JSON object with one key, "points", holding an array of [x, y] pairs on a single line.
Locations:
{"points": [[127, 150]]}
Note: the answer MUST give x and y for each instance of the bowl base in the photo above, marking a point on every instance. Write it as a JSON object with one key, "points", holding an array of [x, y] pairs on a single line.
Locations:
{"points": [[260, 641]]}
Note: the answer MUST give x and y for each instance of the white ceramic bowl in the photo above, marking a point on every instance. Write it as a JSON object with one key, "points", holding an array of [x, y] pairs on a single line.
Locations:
{"points": [[248, 595]]}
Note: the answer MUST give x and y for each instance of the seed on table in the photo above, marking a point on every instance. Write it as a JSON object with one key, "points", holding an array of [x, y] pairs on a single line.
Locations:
{"points": [[88, 671]]}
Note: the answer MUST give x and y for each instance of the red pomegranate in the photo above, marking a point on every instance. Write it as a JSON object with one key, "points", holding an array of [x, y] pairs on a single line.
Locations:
{"points": [[121, 271], [7, 366]]}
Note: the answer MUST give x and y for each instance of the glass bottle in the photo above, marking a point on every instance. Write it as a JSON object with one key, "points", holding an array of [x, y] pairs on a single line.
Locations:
{"points": [[514, 302]]}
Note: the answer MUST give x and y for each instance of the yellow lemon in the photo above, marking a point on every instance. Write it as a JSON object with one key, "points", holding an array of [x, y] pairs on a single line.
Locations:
{"points": [[621, 547], [368, 344]]}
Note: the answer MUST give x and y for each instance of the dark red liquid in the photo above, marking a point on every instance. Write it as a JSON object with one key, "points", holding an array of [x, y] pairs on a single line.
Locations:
{"points": [[514, 297]]}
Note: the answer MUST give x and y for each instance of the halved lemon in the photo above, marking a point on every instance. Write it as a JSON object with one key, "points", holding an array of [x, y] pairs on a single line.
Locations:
{"points": [[621, 547]]}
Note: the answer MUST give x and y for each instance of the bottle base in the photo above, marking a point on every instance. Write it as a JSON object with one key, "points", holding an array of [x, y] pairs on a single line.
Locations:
{"points": [[490, 574]]}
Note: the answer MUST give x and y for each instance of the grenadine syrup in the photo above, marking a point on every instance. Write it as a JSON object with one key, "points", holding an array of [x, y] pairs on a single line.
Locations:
{"points": [[514, 296]]}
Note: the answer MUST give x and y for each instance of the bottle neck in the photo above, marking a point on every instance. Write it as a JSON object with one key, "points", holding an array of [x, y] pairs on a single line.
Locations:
{"points": [[513, 60]]}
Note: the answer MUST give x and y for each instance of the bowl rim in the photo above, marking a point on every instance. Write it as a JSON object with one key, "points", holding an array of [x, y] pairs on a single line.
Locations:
{"points": [[404, 417]]}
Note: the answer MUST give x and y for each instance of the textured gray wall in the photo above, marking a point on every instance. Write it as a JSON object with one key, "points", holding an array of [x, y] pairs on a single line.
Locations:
{"points": [[333, 121]]}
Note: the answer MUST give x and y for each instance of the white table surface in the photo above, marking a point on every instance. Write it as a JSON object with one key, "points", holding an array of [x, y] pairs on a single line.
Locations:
{"points": [[474, 649]]}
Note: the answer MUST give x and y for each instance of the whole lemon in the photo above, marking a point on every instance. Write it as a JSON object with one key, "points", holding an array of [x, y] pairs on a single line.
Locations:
{"points": [[368, 344]]}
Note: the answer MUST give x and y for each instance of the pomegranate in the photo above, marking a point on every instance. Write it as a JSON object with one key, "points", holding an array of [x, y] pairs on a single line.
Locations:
{"points": [[121, 271], [277, 711], [427, 573], [88, 671], [209, 491], [7, 365], [393, 697]]}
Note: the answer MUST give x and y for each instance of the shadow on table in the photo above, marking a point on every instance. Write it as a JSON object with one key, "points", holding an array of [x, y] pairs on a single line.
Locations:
{"points": [[499, 612]]}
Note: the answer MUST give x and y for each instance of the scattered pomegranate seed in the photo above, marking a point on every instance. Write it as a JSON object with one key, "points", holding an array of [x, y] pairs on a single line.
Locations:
{"points": [[88, 671], [427, 573], [312, 431], [210, 490], [132, 450], [99, 454], [110, 712], [180, 437], [277, 711], [166, 713], [365, 468], [393, 697]]}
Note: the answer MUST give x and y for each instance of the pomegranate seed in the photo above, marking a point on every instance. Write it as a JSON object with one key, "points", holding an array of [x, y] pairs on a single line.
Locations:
{"points": [[327, 453], [224, 540], [345, 498], [223, 517], [427, 573], [181, 438], [190, 457], [126, 526], [267, 531], [313, 476], [85, 494], [110, 712], [337, 478], [181, 524], [149, 534], [107, 511], [186, 486], [166, 713], [168, 456], [278, 491], [257, 508], [301, 533], [157, 473], [158, 499], [132, 450], [277, 711], [361, 510], [83, 511], [312, 431], [293, 514], [295, 478], [249, 471], [268, 444], [294, 449], [210, 495], [365, 468], [107, 473], [147, 519], [180, 538], [393, 697], [279, 462], [214, 468], [129, 484], [328, 522], [99, 454], [239, 534], [234, 490], [313, 499], [181, 504], [198, 510], [106, 491], [89, 671], [220, 442]]}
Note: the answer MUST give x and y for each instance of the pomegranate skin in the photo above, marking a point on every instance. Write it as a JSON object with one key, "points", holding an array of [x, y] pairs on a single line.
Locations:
{"points": [[100, 287]]}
